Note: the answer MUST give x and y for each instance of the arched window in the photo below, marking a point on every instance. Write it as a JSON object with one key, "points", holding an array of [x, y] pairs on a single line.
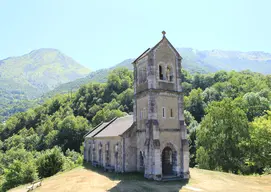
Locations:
{"points": [[100, 154], [169, 73], [116, 148], [141, 160], [171, 112], [161, 76], [107, 158]]}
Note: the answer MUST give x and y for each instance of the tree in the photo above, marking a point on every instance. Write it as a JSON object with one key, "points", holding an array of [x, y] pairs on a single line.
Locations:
{"points": [[187, 87], [211, 94], [119, 80], [186, 76], [93, 110], [50, 162], [106, 115], [221, 135], [16, 141], [221, 76], [192, 126], [71, 132], [126, 99], [194, 104], [260, 145], [256, 105], [19, 173]]}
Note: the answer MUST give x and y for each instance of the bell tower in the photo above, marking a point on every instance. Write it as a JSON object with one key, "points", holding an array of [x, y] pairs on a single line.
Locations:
{"points": [[162, 146]]}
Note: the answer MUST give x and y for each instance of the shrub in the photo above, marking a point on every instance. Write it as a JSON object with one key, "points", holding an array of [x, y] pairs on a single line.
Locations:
{"points": [[50, 162], [74, 156], [19, 173]]}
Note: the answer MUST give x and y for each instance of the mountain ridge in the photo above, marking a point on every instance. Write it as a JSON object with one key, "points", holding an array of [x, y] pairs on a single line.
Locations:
{"points": [[26, 77], [44, 68], [36, 79], [194, 61]]}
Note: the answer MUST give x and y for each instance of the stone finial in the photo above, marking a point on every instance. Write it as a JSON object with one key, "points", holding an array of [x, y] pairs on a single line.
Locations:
{"points": [[164, 33]]}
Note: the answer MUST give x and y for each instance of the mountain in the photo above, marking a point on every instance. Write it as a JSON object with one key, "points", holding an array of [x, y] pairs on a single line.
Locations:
{"points": [[194, 61], [215, 60], [31, 75], [95, 76], [39, 71], [48, 72]]}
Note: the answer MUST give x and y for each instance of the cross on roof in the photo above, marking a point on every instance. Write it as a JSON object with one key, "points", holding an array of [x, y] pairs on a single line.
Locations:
{"points": [[164, 33]]}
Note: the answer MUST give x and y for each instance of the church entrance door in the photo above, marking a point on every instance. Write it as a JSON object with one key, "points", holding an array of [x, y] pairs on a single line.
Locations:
{"points": [[167, 163]]}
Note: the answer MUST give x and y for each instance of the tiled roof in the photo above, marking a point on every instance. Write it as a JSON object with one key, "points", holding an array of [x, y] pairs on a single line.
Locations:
{"points": [[116, 127]]}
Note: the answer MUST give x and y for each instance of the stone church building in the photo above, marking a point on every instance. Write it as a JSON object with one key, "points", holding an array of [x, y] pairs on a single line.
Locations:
{"points": [[154, 139]]}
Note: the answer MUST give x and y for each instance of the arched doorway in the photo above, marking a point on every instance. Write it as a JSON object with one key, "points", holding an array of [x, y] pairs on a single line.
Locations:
{"points": [[167, 161]]}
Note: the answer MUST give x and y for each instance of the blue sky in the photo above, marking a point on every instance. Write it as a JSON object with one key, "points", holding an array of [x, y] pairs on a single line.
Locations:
{"points": [[102, 33]]}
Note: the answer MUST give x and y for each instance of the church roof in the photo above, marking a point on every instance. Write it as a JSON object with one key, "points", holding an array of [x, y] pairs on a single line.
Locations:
{"points": [[97, 129], [151, 49], [116, 127], [142, 55], [92, 129]]}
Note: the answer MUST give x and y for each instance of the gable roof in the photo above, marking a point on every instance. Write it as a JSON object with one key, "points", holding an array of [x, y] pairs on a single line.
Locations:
{"points": [[142, 55], [151, 49], [99, 128], [93, 129], [116, 127]]}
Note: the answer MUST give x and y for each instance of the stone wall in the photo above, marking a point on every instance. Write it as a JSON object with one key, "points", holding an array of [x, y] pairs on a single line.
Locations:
{"points": [[142, 111], [168, 102], [115, 159], [141, 71], [130, 150]]}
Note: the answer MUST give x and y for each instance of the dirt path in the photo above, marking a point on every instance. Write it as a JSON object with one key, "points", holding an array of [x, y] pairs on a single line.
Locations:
{"points": [[83, 180]]}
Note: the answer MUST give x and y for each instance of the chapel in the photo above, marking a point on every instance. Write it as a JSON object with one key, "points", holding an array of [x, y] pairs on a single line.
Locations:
{"points": [[153, 140]]}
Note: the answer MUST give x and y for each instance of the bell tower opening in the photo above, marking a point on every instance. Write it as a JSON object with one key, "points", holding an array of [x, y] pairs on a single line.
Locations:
{"points": [[169, 73], [161, 74]]}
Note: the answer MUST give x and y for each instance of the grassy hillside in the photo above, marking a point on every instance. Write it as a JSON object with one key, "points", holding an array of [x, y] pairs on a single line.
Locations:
{"points": [[95, 180]]}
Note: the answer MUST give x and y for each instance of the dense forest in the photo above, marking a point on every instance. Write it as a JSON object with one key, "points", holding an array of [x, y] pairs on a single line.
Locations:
{"points": [[228, 116]]}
